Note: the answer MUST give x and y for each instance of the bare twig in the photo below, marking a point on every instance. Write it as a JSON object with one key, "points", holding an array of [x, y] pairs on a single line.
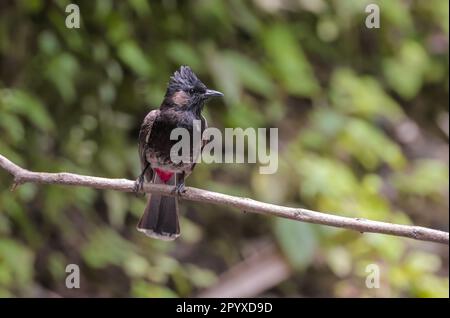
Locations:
{"points": [[192, 194]]}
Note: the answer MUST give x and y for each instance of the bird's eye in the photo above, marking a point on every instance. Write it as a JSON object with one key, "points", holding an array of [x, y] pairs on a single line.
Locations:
{"points": [[191, 91]]}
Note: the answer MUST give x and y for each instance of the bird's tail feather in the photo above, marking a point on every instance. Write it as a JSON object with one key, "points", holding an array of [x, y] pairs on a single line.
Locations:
{"points": [[160, 218]]}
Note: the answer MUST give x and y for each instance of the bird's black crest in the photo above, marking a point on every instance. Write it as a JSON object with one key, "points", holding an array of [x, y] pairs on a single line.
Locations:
{"points": [[183, 78]]}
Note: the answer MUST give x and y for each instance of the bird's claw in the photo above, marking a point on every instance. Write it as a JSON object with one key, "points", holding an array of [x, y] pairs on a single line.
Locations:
{"points": [[179, 189], [138, 185]]}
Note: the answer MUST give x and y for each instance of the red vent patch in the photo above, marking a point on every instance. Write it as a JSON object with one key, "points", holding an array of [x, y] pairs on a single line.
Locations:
{"points": [[164, 175]]}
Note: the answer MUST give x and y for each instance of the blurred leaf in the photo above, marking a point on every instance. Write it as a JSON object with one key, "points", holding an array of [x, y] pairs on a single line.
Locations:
{"points": [[117, 207], [297, 240], [431, 286], [243, 115], [31, 6], [389, 248], [61, 71], [118, 28], [142, 289], [397, 13], [362, 96], [269, 187], [57, 266], [224, 75], [16, 264], [250, 74], [339, 260], [133, 56], [105, 247], [141, 7], [405, 72], [183, 54], [290, 63], [192, 233], [327, 29], [426, 178], [12, 127], [20, 102], [328, 122], [321, 176], [136, 266], [48, 42], [200, 277], [422, 262], [370, 146], [438, 12]]}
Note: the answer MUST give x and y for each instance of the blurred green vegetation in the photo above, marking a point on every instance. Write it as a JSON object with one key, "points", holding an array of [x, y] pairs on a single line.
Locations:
{"points": [[363, 125]]}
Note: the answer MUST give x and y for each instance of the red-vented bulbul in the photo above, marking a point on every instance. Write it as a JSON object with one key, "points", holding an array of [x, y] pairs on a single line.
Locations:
{"points": [[182, 104]]}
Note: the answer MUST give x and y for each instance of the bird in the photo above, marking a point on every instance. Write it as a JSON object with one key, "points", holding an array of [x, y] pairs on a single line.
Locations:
{"points": [[183, 103]]}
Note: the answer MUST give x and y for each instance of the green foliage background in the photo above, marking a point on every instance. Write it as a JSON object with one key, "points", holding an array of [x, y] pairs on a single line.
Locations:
{"points": [[363, 125]]}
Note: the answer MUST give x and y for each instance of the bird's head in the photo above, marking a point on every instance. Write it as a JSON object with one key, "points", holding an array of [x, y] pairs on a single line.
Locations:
{"points": [[186, 91]]}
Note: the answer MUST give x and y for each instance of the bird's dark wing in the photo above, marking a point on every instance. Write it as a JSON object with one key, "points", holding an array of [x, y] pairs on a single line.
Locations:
{"points": [[144, 135]]}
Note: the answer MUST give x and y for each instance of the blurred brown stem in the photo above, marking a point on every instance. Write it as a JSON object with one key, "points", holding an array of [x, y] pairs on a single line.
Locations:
{"points": [[361, 225], [256, 274]]}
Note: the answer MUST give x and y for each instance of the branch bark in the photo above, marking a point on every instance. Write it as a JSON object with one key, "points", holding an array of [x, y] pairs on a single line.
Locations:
{"points": [[248, 205]]}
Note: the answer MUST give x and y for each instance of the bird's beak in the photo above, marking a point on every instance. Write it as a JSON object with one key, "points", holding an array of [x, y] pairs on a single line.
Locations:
{"points": [[212, 93]]}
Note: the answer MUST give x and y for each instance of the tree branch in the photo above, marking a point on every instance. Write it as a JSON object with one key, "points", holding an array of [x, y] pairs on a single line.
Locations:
{"points": [[248, 205]]}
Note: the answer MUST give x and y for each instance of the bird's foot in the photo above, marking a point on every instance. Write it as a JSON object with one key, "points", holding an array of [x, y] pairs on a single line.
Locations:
{"points": [[139, 185], [179, 189]]}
